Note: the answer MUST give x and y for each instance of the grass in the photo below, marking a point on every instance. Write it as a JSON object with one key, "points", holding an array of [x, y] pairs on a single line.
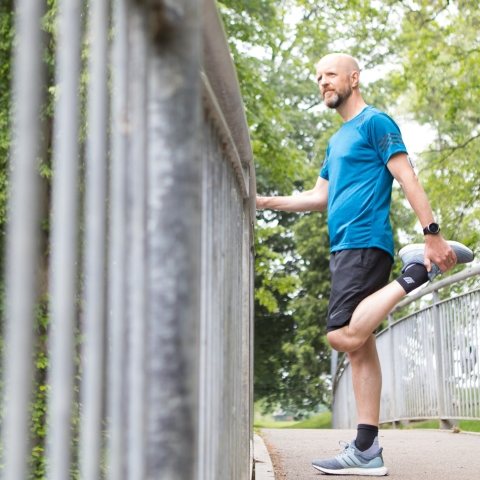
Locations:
{"points": [[430, 424], [322, 420], [464, 425], [470, 425], [273, 424]]}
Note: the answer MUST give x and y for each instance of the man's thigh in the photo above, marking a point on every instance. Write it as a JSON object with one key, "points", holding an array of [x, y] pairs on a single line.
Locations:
{"points": [[356, 274]]}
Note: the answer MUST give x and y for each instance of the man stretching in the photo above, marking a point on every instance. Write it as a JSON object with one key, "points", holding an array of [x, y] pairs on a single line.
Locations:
{"points": [[355, 183]]}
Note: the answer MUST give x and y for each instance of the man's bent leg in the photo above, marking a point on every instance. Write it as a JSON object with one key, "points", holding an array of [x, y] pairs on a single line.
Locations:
{"points": [[366, 318]]}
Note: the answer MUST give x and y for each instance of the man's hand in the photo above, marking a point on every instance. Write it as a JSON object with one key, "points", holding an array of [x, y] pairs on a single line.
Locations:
{"points": [[261, 202], [437, 250]]}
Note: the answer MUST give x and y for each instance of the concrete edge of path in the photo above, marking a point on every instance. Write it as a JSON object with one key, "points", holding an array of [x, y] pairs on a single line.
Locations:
{"points": [[263, 463]]}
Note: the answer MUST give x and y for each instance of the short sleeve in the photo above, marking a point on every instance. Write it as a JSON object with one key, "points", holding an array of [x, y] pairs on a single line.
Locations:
{"points": [[324, 170], [385, 136]]}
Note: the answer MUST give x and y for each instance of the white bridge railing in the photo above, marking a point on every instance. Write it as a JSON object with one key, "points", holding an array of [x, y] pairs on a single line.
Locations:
{"points": [[430, 362]]}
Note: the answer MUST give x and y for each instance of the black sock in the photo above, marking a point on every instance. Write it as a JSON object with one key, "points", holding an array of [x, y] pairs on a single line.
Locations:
{"points": [[366, 434], [414, 276]]}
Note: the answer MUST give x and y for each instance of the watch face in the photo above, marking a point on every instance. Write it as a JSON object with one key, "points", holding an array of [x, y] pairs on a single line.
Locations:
{"points": [[434, 228]]}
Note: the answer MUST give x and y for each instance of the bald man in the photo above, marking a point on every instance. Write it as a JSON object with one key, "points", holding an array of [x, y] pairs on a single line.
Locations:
{"points": [[355, 184]]}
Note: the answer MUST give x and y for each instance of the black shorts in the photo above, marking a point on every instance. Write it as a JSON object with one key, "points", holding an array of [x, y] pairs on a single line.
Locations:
{"points": [[356, 274]]}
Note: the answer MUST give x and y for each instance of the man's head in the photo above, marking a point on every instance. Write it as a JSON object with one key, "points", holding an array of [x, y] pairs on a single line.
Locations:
{"points": [[338, 77]]}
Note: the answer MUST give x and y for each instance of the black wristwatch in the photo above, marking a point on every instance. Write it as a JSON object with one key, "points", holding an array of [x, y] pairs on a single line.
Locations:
{"points": [[431, 229]]}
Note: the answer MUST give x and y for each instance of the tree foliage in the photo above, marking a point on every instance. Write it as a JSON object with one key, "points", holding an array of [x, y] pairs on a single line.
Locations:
{"points": [[439, 84]]}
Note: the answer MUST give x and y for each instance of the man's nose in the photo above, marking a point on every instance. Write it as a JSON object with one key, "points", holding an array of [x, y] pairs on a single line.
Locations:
{"points": [[324, 82]]}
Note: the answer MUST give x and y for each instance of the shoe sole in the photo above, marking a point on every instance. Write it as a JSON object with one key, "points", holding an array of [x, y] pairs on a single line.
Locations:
{"points": [[370, 472], [463, 253]]}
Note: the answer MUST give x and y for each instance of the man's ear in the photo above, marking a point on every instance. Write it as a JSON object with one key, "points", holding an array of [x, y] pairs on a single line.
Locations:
{"points": [[355, 79]]}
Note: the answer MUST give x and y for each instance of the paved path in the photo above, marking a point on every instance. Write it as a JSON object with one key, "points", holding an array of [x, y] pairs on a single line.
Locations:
{"points": [[408, 454]]}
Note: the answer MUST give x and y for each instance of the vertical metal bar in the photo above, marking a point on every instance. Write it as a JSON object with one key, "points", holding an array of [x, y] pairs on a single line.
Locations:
{"points": [[211, 332], [137, 253], [457, 341], [392, 371], [333, 371], [462, 344], [438, 356], [475, 355], [245, 288], [224, 317], [431, 371], [252, 315], [205, 336], [22, 236], [468, 362], [333, 365], [117, 255], [95, 237], [64, 239], [174, 230], [215, 382], [449, 351]]}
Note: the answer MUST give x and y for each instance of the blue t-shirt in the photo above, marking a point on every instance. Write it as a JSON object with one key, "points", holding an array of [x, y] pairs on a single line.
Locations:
{"points": [[360, 184]]}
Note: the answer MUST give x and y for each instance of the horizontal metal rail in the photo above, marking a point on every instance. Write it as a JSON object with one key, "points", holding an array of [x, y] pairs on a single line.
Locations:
{"points": [[150, 345]]}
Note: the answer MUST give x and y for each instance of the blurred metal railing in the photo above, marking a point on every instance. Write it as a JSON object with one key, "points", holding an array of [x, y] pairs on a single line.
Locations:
{"points": [[157, 273], [430, 362]]}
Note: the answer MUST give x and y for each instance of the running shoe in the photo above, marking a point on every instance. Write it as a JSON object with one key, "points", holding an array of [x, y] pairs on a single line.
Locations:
{"points": [[414, 253], [353, 462]]}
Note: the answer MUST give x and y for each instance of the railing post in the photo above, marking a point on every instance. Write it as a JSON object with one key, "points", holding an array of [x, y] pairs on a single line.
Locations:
{"points": [[174, 240], [22, 237], [392, 372], [117, 325], [445, 424], [64, 241], [333, 371], [95, 238]]}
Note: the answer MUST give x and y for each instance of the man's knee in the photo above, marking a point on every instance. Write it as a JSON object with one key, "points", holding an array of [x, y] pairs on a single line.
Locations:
{"points": [[341, 342]]}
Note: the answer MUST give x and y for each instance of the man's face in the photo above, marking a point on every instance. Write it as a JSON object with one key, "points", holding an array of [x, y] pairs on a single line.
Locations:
{"points": [[334, 83]]}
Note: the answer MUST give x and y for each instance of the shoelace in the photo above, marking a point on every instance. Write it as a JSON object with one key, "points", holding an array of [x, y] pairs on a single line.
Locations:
{"points": [[345, 446]]}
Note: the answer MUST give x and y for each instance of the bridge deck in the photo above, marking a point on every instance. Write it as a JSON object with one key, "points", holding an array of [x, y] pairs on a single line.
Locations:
{"points": [[408, 454]]}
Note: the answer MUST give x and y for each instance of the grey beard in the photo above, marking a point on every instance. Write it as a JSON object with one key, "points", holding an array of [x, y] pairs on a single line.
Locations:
{"points": [[338, 99]]}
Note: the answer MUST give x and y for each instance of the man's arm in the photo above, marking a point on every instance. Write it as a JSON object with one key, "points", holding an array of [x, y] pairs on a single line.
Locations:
{"points": [[308, 201], [436, 248]]}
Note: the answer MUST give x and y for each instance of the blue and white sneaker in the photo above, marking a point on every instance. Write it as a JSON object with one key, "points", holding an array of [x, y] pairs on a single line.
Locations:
{"points": [[414, 253], [353, 462]]}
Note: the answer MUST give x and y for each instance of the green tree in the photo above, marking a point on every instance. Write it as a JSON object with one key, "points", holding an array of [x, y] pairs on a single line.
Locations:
{"points": [[439, 85]]}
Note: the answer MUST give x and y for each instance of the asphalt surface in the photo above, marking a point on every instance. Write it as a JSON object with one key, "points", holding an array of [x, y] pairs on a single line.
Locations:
{"points": [[408, 454]]}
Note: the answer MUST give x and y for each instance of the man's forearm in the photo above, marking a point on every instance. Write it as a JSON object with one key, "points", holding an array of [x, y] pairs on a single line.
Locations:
{"points": [[418, 200], [303, 202], [436, 249]]}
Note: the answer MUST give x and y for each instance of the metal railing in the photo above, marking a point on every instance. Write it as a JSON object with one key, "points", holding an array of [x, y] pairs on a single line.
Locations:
{"points": [[430, 362], [151, 249]]}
